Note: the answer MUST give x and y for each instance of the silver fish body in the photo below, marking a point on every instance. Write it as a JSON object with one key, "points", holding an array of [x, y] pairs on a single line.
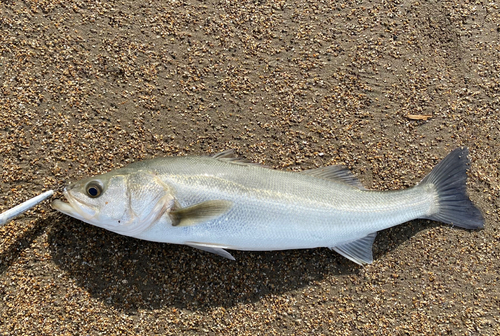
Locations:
{"points": [[217, 203]]}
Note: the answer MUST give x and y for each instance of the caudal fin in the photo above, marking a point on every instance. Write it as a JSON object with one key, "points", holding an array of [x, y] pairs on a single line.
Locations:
{"points": [[449, 178]]}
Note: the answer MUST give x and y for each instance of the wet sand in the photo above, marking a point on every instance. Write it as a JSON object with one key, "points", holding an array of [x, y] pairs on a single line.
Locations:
{"points": [[387, 89]]}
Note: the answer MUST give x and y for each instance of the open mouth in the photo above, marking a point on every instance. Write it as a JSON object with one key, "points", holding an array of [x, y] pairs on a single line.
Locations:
{"points": [[74, 208], [63, 207]]}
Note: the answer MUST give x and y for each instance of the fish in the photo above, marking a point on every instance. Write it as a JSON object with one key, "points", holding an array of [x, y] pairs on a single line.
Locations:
{"points": [[12, 213], [219, 203]]}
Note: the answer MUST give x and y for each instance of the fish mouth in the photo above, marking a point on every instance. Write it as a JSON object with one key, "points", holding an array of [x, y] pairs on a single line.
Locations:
{"points": [[74, 208]]}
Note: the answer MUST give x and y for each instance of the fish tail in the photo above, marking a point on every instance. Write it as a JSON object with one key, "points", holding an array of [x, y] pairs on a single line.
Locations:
{"points": [[449, 179]]}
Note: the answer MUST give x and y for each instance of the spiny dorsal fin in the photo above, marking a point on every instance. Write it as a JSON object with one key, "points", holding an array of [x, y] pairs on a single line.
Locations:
{"points": [[336, 173], [359, 251], [228, 153], [229, 156], [199, 213]]}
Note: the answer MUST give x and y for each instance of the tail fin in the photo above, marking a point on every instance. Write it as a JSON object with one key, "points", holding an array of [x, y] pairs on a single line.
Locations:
{"points": [[449, 178]]}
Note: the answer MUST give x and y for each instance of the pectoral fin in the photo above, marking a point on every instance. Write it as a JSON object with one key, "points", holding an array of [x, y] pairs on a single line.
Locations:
{"points": [[359, 251], [212, 248], [199, 213]]}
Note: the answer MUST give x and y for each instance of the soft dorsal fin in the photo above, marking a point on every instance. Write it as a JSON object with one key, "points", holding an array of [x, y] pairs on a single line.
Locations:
{"points": [[199, 213], [359, 251], [212, 248], [336, 173], [229, 156]]}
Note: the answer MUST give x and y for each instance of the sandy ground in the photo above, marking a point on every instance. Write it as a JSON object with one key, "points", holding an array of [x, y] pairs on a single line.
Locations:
{"points": [[88, 86]]}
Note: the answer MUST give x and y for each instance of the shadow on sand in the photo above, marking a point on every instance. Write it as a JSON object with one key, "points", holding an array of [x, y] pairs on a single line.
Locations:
{"points": [[11, 250], [131, 274]]}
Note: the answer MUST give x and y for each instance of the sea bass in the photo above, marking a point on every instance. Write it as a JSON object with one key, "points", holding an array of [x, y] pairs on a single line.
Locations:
{"points": [[219, 202]]}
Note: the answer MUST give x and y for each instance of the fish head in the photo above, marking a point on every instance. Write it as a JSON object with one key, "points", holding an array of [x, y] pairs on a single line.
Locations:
{"points": [[123, 202]]}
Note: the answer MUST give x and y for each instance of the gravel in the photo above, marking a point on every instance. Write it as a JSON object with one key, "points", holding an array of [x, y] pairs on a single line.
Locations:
{"points": [[386, 88]]}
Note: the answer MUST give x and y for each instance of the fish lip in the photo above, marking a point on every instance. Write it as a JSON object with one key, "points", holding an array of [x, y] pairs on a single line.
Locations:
{"points": [[73, 207], [63, 207]]}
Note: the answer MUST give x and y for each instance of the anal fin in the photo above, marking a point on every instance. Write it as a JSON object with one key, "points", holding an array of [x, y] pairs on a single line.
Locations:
{"points": [[358, 251], [212, 248]]}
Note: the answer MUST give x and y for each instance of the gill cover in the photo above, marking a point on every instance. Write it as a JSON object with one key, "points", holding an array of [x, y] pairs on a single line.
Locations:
{"points": [[149, 198]]}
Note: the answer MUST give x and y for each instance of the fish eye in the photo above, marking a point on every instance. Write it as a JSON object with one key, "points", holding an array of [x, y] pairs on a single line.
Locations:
{"points": [[93, 189]]}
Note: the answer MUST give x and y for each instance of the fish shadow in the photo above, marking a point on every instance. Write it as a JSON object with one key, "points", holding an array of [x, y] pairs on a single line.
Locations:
{"points": [[131, 274]]}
